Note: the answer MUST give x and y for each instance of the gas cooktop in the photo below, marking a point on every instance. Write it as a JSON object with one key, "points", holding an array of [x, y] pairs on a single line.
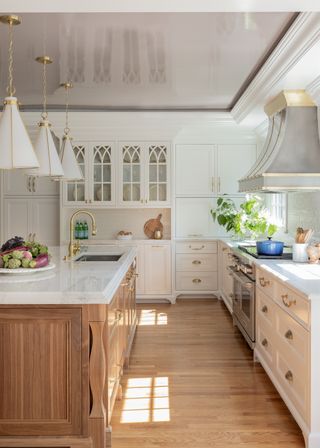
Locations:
{"points": [[252, 250]]}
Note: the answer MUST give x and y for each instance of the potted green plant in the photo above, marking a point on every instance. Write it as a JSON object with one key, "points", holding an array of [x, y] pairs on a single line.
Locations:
{"points": [[250, 220]]}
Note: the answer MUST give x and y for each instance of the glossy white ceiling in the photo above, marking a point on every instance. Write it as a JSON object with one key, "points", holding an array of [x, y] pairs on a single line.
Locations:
{"points": [[141, 60]]}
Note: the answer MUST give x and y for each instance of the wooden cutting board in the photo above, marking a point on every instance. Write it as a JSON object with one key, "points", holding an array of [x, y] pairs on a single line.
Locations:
{"points": [[152, 225]]}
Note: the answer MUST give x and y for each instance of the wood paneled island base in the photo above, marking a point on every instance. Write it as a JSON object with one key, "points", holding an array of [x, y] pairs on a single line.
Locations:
{"points": [[60, 370]]}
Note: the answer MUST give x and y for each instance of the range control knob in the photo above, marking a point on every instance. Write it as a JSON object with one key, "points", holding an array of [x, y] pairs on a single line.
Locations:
{"points": [[247, 269]]}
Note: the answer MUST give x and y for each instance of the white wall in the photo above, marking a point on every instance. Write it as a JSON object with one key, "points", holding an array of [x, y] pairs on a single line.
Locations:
{"points": [[304, 211]]}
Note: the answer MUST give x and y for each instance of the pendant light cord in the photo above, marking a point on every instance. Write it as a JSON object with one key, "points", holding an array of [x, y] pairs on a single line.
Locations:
{"points": [[44, 114], [67, 129], [10, 89]]}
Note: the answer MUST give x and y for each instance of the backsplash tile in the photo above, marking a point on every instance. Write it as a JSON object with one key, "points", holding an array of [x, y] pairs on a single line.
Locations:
{"points": [[304, 211]]}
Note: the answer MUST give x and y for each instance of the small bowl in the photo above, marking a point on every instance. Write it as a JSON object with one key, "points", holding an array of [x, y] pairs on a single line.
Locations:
{"points": [[125, 237]]}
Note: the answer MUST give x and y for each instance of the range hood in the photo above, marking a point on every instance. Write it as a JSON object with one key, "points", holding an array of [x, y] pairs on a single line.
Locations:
{"points": [[290, 159]]}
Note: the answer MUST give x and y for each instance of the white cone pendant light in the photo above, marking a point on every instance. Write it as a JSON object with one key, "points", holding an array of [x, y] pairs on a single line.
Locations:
{"points": [[69, 162], [46, 151], [16, 150]]}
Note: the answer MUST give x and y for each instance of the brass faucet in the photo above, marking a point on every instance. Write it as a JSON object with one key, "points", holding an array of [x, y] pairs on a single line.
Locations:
{"points": [[74, 247]]}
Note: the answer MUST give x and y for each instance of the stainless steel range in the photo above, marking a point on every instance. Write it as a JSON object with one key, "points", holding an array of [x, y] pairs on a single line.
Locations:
{"points": [[243, 273]]}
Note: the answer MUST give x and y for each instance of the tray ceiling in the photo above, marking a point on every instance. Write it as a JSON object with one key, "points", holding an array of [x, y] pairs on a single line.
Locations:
{"points": [[142, 60]]}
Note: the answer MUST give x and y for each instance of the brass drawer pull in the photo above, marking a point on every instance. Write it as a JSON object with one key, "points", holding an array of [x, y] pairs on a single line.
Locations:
{"points": [[224, 249], [196, 262], [264, 342], [264, 309], [287, 302], [289, 376], [196, 280], [288, 334], [231, 295], [196, 248], [264, 282]]}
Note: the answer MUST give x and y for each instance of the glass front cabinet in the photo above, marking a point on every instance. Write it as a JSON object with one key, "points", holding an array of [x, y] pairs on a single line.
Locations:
{"points": [[97, 162], [125, 174]]}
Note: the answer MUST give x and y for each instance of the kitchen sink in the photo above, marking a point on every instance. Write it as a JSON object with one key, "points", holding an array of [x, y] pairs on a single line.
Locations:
{"points": [[99, 257]]}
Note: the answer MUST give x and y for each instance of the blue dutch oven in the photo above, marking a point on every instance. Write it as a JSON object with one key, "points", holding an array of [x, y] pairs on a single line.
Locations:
{"points": [[270, 247]]}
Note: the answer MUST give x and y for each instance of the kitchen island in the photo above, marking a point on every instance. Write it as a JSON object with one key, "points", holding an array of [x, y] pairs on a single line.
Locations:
{"points": [[65, 336]]}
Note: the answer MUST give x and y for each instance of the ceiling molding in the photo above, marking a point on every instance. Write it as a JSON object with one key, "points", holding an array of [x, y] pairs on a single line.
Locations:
{"points": [[314, 89], [300, 38], [160, 6]]}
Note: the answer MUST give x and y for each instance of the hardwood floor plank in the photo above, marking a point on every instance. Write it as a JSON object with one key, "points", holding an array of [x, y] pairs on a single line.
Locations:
{"points": [[192, 383]]}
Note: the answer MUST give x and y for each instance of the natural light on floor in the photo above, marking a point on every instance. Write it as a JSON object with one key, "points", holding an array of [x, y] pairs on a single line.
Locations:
{"points": [[146, 400], [153, 317]]}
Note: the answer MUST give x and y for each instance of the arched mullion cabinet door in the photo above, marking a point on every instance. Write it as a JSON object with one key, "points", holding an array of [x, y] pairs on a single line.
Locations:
{"points": [[102, 187], [131, 189], [76, 193], [158, 174]]}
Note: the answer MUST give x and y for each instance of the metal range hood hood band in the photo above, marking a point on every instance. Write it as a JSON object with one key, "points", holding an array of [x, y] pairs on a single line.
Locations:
{"points": [[290, 159]]}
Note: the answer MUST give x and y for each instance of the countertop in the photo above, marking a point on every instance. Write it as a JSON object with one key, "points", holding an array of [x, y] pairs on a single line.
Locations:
{"points": [[303, 277], [70, 282]]}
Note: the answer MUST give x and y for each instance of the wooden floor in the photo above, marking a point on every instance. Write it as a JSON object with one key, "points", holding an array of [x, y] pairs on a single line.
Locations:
{"points": [[192, 383]]}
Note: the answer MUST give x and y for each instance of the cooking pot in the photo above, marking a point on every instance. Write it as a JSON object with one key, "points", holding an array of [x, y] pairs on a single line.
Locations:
{"points": [[270, 247]]}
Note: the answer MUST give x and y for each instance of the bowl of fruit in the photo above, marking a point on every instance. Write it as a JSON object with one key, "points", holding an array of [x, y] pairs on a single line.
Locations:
{"points": [[18, 256]]}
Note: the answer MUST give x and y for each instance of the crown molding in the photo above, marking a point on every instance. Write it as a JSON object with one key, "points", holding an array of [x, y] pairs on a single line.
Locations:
{"points": [[314, 89], [297, 42], [160, 6]]}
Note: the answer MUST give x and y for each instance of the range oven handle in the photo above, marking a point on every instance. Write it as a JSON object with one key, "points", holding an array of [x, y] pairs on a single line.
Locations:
{"points": [[247, 283]]}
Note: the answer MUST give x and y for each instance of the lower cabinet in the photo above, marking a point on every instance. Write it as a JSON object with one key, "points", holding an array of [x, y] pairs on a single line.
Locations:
{"points": [[196, 267], [284, 347], [225, 280], [61, 368], [25, 216], [154, 268]]}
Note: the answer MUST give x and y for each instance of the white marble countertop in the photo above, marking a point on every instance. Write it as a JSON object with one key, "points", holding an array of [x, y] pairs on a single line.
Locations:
{"points": [[303, 277], [70, 282]]}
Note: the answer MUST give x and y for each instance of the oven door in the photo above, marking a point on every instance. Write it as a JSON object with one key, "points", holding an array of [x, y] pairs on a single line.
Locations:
{"points": [[243, 302]]}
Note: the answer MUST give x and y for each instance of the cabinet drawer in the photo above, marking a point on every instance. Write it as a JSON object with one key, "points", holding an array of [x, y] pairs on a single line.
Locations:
{"points": [[265, 308], [264, 341], [292, 336], [294, 304], [196, 247], [195, 262], [293, 377], [196, 281], [265, 282]]}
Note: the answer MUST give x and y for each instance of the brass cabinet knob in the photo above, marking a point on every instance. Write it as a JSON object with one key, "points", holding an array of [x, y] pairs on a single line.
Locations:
{"points": [[264, 309], [288, 334], [263, 282], [288, 302], [289, 376], [264, 342]]}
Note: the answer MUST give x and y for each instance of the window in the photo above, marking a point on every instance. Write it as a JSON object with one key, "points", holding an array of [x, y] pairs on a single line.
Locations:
{"points": [[276, 203]]}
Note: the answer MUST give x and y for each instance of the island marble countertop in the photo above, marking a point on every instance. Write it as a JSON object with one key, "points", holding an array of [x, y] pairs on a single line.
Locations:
{"points": [[70, 282], [303, 277]]}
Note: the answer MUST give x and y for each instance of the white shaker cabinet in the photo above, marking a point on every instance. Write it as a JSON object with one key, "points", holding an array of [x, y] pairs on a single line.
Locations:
{"points": [[234, 161], [225, 279], [17, 183], [195, 170], [204, 170], [25, 216], [157, 269]]}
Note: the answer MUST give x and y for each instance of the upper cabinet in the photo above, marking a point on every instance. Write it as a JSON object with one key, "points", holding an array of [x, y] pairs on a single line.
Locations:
{"points": [[17, 183], [144, 170], [195, 170], [127, 174], [233, 162], [97, 162], [206, 170]]}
